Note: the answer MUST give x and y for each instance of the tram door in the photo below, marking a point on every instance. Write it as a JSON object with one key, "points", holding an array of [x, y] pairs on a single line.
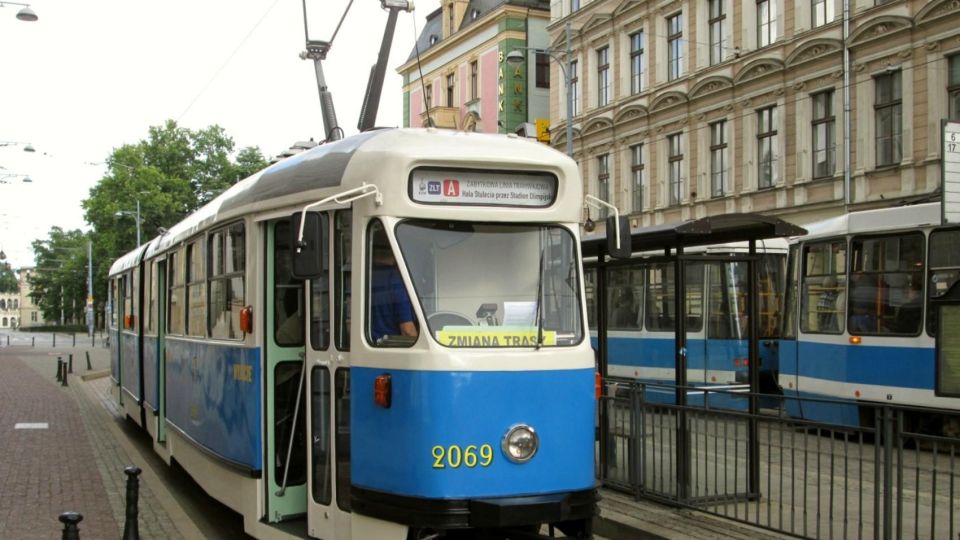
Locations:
{"points": [[284, 463], [328, 383]]}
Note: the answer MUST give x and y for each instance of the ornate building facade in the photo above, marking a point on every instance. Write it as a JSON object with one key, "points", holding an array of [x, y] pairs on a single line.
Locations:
{"points": [[30, 314], [457, 76], [687, 108]]}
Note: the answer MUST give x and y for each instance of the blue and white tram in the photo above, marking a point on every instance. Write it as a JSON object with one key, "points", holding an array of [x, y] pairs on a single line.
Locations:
{"points": [[641, 324], [277, 396], [860, 327]]}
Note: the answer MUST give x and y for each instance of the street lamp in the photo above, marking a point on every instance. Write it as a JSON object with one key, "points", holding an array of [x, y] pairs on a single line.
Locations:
{"points": [[25, 13], [27, 147], [516, 58], [121, 213]]}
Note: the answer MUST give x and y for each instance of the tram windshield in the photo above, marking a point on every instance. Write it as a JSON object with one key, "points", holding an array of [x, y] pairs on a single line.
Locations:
{"points": [[494, 285]]}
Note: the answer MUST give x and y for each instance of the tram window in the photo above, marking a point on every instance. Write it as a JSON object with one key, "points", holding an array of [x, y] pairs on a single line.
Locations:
{"points": [[343, 234], [287, 293], [288, 379], [790, 302], [824, 287], [728, 300], [625, 298], [659, 304], [771, 295], [590, 286], [495, 285], [149, 317], [886, 285], [391, 321], [227, 248], [127, 300], [175, 301], [114, 303], [342, 394], [196, 292], [320, 434], [943, 269], [320, 294]]}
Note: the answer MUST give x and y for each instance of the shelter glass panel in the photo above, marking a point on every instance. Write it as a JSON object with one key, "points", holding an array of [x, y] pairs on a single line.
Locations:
{"points": [[625, 298]]}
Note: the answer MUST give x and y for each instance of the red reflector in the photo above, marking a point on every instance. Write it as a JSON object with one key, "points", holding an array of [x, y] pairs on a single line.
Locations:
{"points": [[246, 320], [597, 385], [381, 390], [128, 322]]}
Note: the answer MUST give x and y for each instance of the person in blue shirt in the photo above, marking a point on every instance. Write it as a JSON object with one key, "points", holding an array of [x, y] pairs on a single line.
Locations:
{"points": [[391, 313]]}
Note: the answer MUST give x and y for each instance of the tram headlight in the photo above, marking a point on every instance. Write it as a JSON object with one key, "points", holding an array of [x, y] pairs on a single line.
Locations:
{"points": [[520, 443]]}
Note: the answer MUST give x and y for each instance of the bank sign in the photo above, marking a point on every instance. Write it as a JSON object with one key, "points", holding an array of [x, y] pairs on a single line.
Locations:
{"points": [[482, 188]]}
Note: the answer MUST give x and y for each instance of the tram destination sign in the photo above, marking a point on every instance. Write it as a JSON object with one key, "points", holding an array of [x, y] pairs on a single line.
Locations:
{"points": [[482, 188], [951, 173]]}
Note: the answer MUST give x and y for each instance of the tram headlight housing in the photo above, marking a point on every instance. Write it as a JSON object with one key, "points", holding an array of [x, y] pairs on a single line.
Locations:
{"points": [[520, 443]]}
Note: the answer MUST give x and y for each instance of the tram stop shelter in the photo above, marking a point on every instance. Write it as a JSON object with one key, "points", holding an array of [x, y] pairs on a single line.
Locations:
{"points": [[671, 240]]}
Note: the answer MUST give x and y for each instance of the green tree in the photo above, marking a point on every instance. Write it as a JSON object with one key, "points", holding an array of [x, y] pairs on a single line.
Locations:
{"points": [[171, 173], [59, 282], [8, 279]]}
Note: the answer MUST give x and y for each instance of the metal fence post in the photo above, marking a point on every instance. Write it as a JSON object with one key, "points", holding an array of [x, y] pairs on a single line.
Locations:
{"points": [[70, 521]]}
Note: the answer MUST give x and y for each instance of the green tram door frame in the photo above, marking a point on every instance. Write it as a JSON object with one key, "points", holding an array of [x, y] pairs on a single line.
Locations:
{"points": [[283, 377], [160, 287]]}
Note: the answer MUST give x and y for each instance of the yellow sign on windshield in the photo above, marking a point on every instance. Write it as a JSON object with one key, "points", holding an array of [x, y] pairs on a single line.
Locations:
{"points": [[493, 336]]}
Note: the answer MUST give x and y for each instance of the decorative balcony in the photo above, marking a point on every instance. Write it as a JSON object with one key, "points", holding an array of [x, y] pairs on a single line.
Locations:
{"points": [[443, 117]]}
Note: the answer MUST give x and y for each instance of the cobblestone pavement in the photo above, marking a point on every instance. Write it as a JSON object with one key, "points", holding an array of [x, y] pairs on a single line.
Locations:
{"points": [[77, 463]]}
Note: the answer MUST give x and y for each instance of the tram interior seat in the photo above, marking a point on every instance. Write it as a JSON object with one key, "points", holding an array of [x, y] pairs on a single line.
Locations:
{"points": [[441, 319]]}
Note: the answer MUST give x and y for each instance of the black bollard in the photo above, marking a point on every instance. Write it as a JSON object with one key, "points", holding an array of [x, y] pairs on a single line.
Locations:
{"points": [[89, 367], [64, 381], [70, 364], [59, 368], [70, 521], [131, 529]]}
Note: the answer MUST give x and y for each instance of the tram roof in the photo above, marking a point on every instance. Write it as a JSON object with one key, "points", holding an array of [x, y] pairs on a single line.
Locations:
{"points": [[720, 229], [912, 216]]}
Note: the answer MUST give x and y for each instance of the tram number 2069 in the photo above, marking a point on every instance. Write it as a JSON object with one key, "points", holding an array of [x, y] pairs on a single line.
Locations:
{"points": [[455, 456]]}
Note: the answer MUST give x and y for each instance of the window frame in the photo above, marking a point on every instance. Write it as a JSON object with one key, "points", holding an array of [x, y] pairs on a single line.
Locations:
{"points": [[953, 87], [766, 23], [474, 80], [675, 169], [542, 70], [603, 76], [716, 18], [803, 296], [637, 167], [718, 147], [451, 89], [176, 283], [213, 276], [192, 281], [636, 62], [829, 119], [603, 182], [895, 107], [767, 134], [824, 8], [850, 278], [674, 46]]}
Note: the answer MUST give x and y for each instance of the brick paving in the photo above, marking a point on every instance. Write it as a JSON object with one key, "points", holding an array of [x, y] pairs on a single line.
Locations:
{"points": [[74, 465]]}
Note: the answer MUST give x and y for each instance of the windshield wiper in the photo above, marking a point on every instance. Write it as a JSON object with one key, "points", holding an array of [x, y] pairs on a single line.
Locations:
{"points": [[539, 312]]}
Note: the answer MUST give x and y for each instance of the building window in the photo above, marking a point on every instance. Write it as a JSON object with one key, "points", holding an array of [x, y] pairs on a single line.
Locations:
{"points": [[822, 12], [574, 5], [474, 80], [675, 163], [543, 70], [603, 181], [887, 107], [33, 316], [953, 87], [575, 86], [450, 84], [674, 51], [767, 147], [719, 161], [428, 94], [636, 173], [824, 146], [718, 42], [636, 62], [766, 22], [603, 76]]}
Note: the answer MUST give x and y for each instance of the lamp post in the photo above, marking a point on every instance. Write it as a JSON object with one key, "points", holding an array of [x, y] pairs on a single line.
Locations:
{"points": [[25, 13], [136, 216], [27, 147], [516, 57]]}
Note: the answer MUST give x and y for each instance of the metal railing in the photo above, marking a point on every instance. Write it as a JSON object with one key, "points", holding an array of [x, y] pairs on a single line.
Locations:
{"points": [[809, 479]]}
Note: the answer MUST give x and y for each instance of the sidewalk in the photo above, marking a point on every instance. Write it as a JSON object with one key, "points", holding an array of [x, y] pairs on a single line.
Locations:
{"points": [[76, 462]]}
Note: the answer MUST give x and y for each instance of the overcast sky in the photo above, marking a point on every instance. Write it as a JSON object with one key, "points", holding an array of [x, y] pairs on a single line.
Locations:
{"points": [[92, 75]]}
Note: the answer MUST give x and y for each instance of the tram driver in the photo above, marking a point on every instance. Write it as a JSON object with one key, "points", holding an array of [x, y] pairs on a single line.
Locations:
{"points": [[391, 312]]}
